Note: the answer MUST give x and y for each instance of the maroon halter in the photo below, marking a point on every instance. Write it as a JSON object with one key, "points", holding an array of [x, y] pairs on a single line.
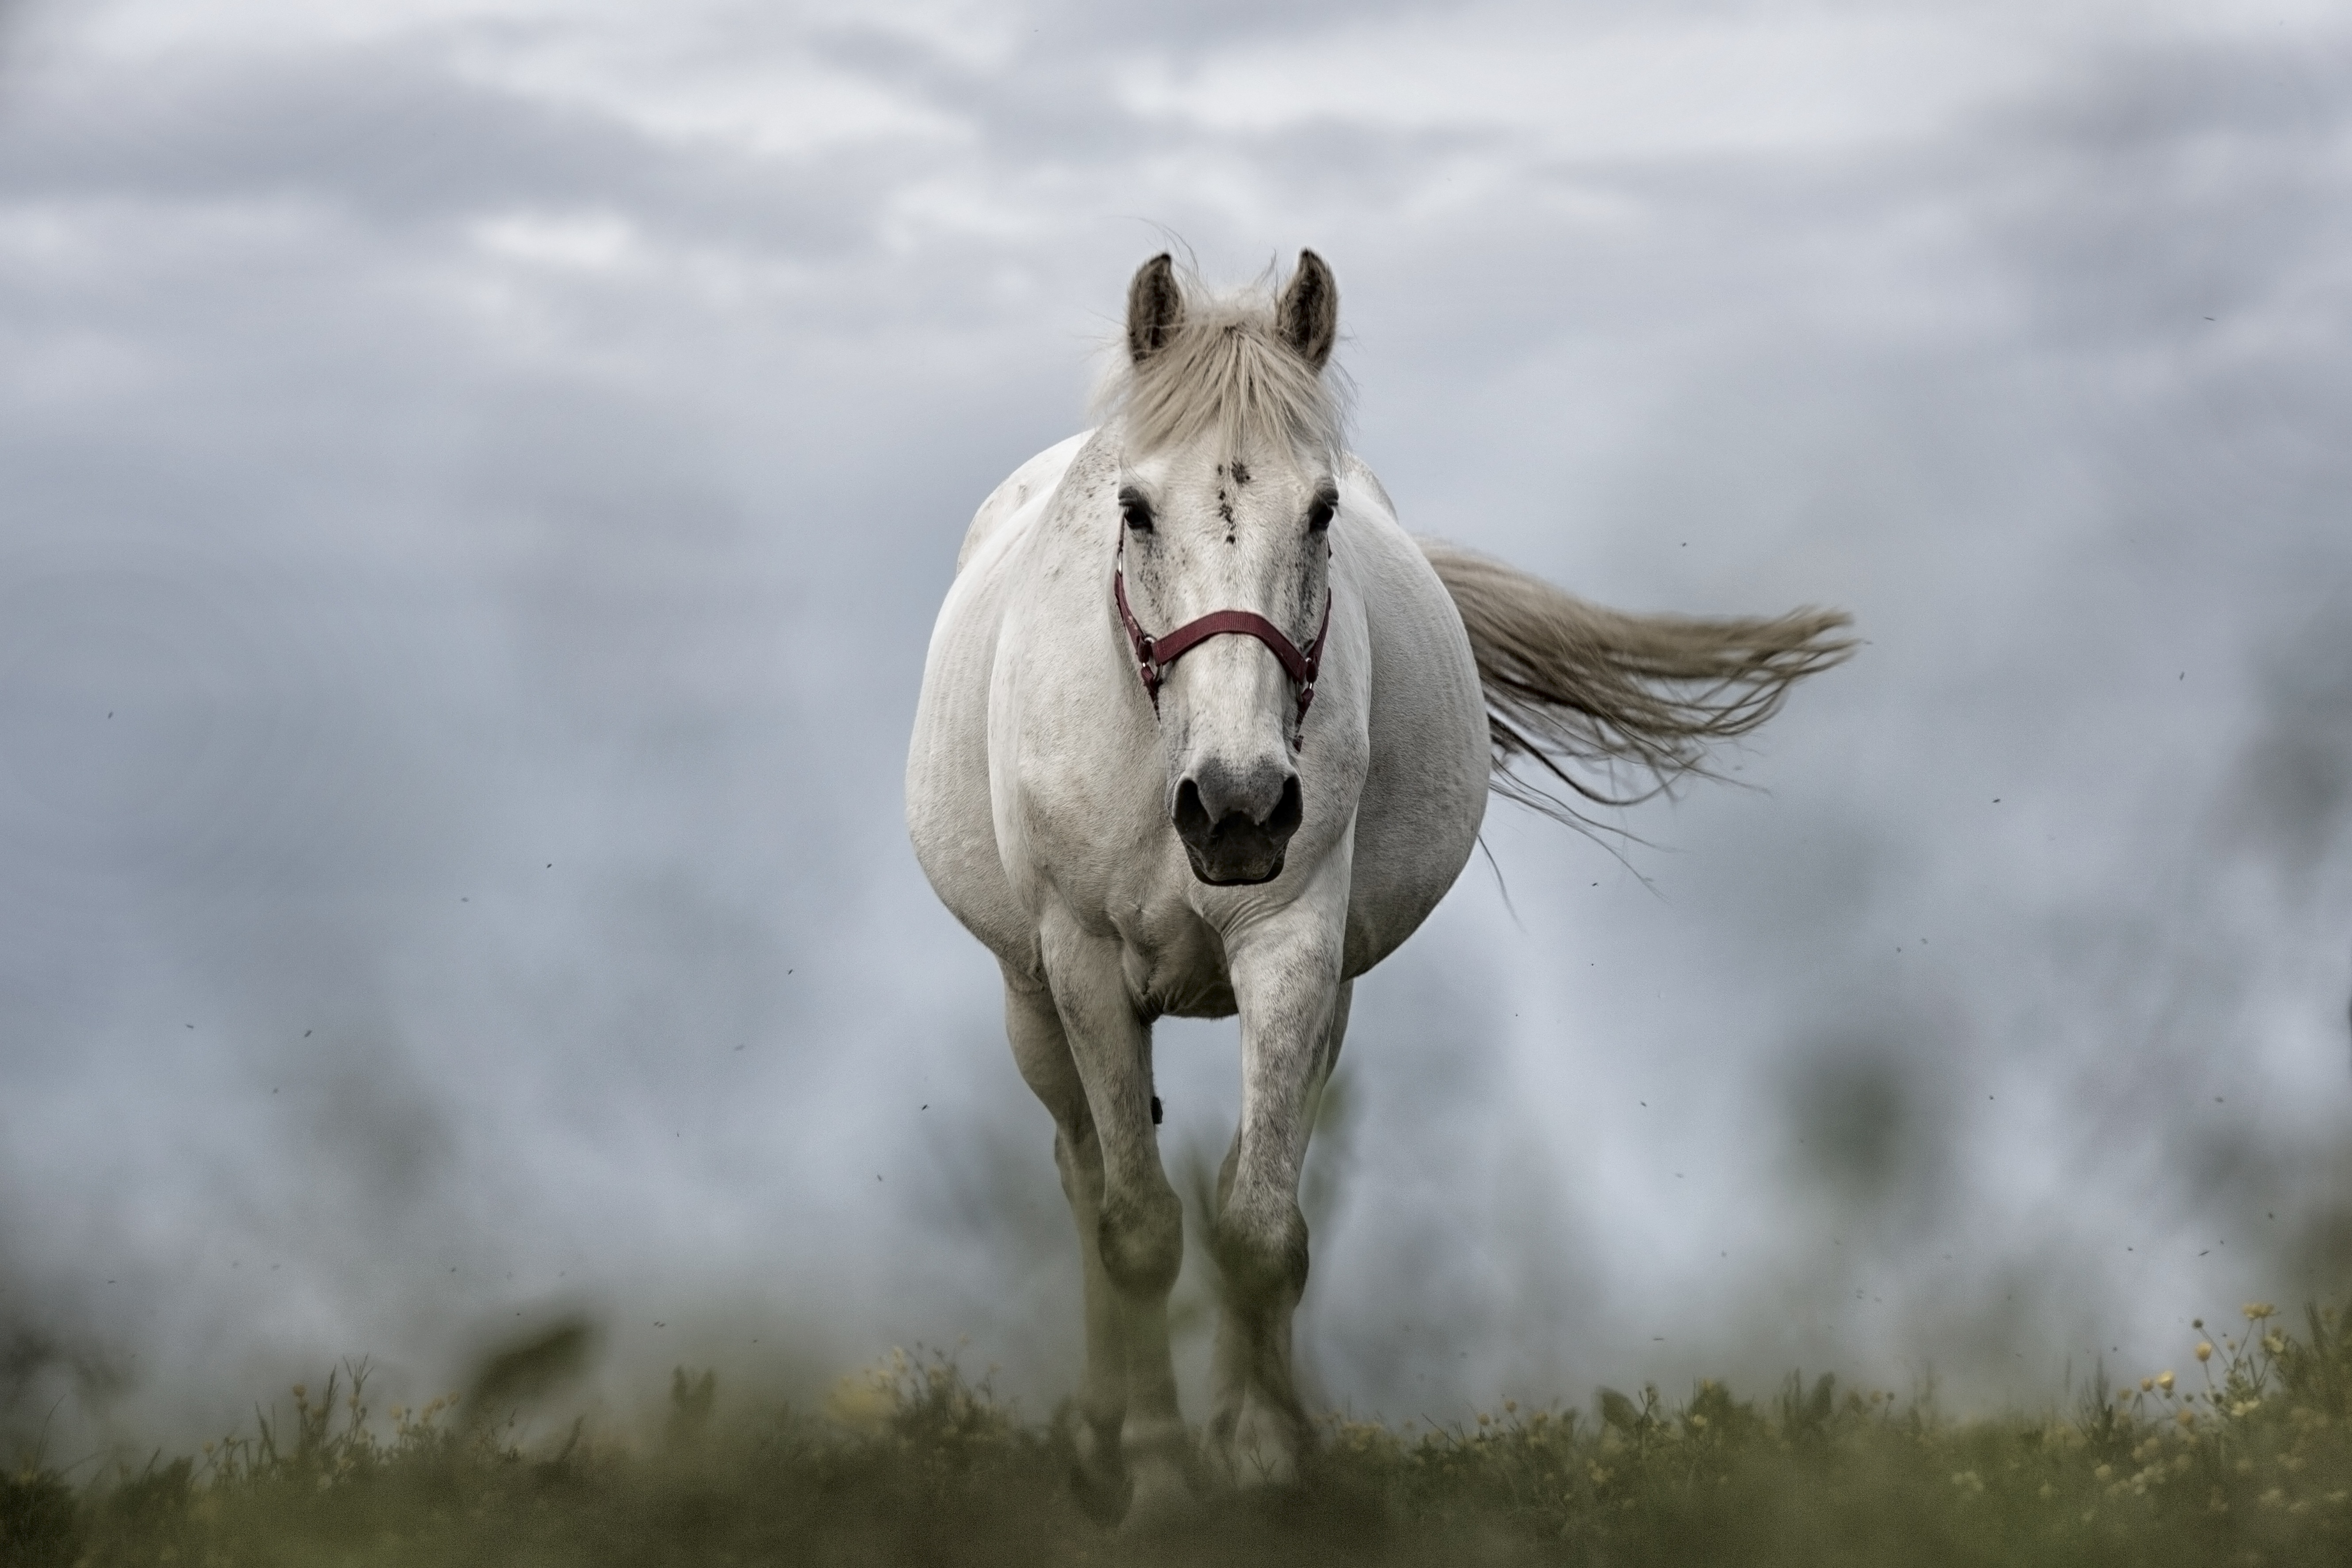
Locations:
{"points": [[1154, 654]]}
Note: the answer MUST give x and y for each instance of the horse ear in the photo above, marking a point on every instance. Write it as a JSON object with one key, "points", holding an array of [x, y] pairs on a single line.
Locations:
{"points": [[1155, 308], [1308, 314]]}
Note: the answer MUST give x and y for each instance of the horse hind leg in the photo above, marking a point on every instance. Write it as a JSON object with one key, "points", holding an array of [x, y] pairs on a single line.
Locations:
{"points": [[1042, 1054]]}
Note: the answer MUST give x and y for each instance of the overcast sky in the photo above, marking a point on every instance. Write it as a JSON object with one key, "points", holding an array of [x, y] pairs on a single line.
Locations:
{"points": [[475, 483]]}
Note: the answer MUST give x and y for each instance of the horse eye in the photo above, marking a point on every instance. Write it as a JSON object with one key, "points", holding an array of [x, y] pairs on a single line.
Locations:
{"points": [[1135, 510], [1319, 512]]}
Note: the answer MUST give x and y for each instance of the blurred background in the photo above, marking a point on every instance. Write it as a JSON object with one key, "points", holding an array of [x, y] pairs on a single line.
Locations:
{"points": [[475, 479]]}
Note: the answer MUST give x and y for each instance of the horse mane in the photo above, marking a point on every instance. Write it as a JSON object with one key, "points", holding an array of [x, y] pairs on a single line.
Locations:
{"points": [[1225, 371], [1574, 687]]}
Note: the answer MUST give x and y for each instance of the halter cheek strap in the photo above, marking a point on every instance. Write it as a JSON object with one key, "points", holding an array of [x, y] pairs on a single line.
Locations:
{"points": [[1153, 656]]}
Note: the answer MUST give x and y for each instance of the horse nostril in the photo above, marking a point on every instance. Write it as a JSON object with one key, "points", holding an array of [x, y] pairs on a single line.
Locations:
{"points": [[1234, 833], [1283, 821], [1190, 817]]}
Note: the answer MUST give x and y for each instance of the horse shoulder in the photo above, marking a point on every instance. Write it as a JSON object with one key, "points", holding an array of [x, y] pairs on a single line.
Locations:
{"points": [[1032, 481], [950, 814]]}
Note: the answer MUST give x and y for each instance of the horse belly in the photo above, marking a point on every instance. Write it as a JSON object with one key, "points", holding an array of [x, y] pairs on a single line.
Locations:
{"points": [[1425, 794]]}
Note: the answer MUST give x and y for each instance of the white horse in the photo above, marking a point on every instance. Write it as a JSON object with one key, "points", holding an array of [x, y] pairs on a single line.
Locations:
{"points": [[1203, 732]]}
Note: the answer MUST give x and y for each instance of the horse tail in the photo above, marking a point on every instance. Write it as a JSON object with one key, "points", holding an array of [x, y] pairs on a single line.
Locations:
{"points": [[1616, 707]]}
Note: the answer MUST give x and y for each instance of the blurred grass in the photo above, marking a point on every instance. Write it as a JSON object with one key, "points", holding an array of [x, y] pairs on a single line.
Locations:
{"points": [[2246, 1456]]}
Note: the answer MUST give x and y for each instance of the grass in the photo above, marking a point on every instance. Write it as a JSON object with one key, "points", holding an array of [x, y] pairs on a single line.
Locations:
{"points": [[2244, 1459]]}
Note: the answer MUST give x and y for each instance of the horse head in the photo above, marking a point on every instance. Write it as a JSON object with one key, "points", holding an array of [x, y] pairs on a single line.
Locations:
{"points": [[1228, 485]]}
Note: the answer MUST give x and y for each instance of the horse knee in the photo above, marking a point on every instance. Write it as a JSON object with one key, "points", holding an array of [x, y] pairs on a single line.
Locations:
{"points": [[1261, 1252], [1142, 1239]]}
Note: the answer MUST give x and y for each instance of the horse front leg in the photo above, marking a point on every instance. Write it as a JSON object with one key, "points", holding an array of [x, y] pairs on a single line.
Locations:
{"points": [[1042, 1053], [1293, 1010], [1138, 1242]]}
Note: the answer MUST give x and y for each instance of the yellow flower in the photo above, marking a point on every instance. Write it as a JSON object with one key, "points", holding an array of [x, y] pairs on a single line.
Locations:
{"points": [[2258, 1311], [864, 1401], [2146, 1384], [2204, 1349], [2164, 1381], [301, 1391]]}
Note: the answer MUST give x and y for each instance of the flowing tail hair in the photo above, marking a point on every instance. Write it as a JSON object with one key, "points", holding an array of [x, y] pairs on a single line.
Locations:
{"points": [[1579, 696]]}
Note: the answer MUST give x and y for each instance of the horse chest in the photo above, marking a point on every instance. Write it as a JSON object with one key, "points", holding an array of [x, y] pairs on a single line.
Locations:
{"points": [[1174, 964]]}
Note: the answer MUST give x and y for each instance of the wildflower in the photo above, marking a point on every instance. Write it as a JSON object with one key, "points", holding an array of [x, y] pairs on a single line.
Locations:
{"points": [[2257, 1311], [2276, 1343], [1699, 1422], [1510, 1407], [1484, 1418], [864, 1401], [301, 1393], [2147, 1384], [2164, 1381], [2204, 1349]]}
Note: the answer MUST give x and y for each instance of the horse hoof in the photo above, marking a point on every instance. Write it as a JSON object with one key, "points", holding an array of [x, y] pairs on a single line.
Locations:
{"points": [[1259, 1451], [1161, 1500], [1103, 1497]]}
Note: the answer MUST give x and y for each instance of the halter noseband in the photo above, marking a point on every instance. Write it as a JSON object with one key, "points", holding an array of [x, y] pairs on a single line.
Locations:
{"points": [[1153, 656]]}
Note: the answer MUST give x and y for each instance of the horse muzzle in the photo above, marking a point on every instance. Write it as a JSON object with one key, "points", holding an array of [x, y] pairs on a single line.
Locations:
{"points": [[1236, 826]]}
